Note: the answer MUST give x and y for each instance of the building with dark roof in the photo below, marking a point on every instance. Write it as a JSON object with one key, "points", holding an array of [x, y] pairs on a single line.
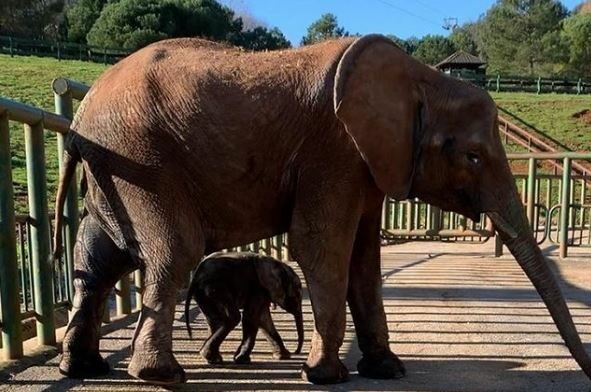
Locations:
{"points": [[463, 65]]}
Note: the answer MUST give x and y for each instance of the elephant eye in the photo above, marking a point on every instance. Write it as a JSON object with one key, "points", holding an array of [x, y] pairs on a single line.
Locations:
{"points": [[473, 158]]}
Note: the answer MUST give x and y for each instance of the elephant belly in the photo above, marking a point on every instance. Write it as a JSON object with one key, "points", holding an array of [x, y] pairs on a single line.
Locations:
{"points": [[239, 221]]}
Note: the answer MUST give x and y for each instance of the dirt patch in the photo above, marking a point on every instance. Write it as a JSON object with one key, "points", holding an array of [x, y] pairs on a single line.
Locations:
{"points": [[584, 116]]}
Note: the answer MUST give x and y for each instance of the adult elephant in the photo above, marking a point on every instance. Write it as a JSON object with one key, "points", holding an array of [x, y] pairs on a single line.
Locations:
{"points": [[191, 146]]}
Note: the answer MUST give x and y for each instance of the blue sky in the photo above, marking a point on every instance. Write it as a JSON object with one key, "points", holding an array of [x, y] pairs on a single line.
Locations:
{"points": [[403, 18]]}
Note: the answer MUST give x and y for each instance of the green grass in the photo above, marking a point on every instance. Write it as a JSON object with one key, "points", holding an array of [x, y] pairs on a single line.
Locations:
{"points": [[28, 80], [552, 114]]}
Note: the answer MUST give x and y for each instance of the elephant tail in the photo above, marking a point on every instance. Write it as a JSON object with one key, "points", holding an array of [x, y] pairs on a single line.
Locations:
{"points": [[190, 293], [71, 158]]}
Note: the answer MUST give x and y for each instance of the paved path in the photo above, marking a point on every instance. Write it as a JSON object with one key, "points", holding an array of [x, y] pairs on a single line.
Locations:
{"points": [[460, 319]]}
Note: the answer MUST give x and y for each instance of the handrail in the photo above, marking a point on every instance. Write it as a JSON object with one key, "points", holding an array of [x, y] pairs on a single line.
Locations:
{"points": [[550, 155], [31, 115], [62, 86]]}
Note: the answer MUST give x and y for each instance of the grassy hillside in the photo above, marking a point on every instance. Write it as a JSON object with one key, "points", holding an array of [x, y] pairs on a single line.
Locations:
{"points": [[560, 116], [28, 79]]}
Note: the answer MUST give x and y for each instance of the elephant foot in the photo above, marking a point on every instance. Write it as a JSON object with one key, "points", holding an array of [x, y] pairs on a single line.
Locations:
{"points": [[283, 354], [325, 372], [384, 366], [88, 366], [242, 359], [212, 358], [156, 368]]}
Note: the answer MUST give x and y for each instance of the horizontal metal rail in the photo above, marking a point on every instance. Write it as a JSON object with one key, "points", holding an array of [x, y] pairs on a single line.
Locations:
{"points": [[31, 115]]}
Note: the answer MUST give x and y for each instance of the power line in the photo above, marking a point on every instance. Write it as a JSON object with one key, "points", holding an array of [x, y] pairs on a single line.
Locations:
{"points": [[408, 12], [430, 7]]}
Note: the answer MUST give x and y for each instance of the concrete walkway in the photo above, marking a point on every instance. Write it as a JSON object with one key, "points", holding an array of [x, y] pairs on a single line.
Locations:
{"points": [[460, 319]]}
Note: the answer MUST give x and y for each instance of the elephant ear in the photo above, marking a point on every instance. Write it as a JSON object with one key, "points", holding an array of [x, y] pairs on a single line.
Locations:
{"points": [[374, 97], [269, 275]]}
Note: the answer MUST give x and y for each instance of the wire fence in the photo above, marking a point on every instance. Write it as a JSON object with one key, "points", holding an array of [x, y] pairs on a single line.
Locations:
{"points": [[60, 50], [529, 84]]}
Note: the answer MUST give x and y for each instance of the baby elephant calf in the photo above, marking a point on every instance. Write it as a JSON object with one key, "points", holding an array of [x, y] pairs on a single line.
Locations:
{"points": [[224, 283]]}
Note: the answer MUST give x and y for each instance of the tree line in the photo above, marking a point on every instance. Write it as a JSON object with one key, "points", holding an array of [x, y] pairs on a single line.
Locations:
{"points": [[132, 24], [520, 37], [514, 37]]}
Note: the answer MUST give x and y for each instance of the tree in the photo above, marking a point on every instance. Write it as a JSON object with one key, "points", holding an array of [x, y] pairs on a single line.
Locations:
{"points": [[39, 19], [577, 38], [260, 38], [463, 38], [131, 24], [433, 48], [81, 16], [514, 34], [324, 28], [398, 41]]}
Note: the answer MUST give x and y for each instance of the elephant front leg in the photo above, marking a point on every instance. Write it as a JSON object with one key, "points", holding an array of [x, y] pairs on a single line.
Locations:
{"points": [[250, 328], [324, 260], [272, 336], [366, 304]]}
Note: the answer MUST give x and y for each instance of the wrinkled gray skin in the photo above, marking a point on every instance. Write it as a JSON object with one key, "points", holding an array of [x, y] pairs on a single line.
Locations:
{"points": [[191, 147], [225, 283]]}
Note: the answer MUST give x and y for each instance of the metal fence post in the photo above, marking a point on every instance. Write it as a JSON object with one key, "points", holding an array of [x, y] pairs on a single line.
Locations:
{"points": [[531, 190], [12, 345], [498, 246], [498, 83], [40, 237], [11, 49], [565, 207], [138, 282], [64, 106], [539, 85], [122, 295]]}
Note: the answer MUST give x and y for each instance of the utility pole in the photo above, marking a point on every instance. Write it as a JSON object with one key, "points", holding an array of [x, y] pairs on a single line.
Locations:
{"points": [[450, 23]]}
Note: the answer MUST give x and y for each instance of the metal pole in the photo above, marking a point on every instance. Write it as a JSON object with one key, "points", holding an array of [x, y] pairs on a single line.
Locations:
{"points": [[409, 214], [531, 190], [12, 342], [138, 282], [498, 246], [40, 237], [64, 106], [122, 296], [564, 209]]}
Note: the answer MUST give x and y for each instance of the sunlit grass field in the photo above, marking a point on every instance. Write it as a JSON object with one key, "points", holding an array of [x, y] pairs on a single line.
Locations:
{"points": [[28, 80]]}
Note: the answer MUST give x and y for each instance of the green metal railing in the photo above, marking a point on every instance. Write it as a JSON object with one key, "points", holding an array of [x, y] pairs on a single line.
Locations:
{"points": [[558, 207]]}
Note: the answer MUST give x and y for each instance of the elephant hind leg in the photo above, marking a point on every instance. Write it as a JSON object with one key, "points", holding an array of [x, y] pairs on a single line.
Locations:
{"points": [[165, 272], [222, 318], [98, 264]]}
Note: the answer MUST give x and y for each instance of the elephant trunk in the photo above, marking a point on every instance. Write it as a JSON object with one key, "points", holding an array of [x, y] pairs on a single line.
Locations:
{"points": [[299, 320], [514, 229]]}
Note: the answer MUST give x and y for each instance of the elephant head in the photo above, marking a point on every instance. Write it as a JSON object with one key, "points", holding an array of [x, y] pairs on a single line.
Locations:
{"points": [[285, 289], [426, 135]]}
